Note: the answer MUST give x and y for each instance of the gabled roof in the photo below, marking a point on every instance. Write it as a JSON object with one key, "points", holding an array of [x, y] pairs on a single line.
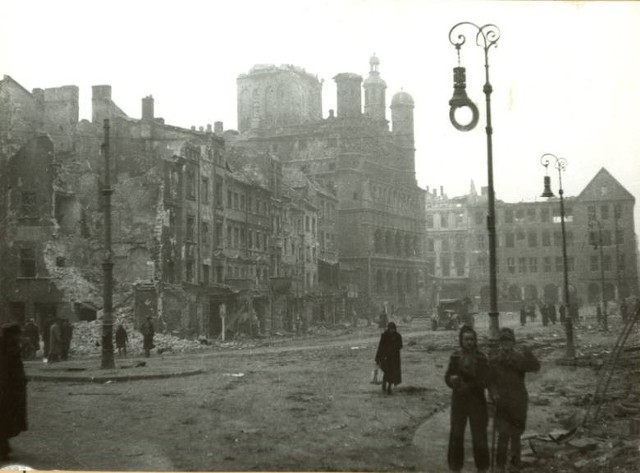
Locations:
{"points": [[10, 80], [604, 186]]}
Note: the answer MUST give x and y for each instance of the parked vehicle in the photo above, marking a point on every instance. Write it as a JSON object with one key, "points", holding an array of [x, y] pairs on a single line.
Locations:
{"points": [[450, 314]]}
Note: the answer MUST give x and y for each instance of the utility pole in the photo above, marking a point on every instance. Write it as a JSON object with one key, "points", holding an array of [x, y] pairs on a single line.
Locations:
{"points": [[107, 263]]}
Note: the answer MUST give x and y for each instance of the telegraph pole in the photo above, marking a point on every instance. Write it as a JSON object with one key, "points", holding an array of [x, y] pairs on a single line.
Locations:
{"points": [[107, 263]]}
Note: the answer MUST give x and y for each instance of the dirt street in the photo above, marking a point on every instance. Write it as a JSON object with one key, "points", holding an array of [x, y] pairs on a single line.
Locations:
{"points": [[305, 405]]}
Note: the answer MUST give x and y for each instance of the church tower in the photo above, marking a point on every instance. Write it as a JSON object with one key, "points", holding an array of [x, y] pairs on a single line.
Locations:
{"points": [[402, 126]]}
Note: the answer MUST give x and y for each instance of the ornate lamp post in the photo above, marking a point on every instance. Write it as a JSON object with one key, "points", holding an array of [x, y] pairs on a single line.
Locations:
{"points": [[486, 37], [560, 164]]}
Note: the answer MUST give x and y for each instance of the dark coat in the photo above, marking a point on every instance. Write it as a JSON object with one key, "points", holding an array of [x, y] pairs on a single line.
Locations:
{"points": [[13, 388], [474, 374], [507, 380], [388, 356], [147, 331], [121, 337]]}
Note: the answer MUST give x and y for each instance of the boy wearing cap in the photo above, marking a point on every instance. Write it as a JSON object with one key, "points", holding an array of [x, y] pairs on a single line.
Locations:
{"points": [[507, 388]]}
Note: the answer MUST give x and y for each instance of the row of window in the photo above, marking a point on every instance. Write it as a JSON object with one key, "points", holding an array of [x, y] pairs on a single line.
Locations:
{"points": [[522, 215]]}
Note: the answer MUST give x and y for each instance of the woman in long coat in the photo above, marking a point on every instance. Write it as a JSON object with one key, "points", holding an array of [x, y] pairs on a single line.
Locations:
{"points": [[467, 376], [508, 368], [388, 357], [13, 388]]}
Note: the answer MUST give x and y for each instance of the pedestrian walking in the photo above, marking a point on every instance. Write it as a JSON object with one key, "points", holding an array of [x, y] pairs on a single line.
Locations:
{"points": [[624, 311], [523, 315], [383, 319], [563, 313], [66, 331], [13, 388], [147, 332], [121, 340], [388, 357], [46, 331], [467, 376], [544, 312], [598, 314], [55, 342], [553, 314], [508, 390]]}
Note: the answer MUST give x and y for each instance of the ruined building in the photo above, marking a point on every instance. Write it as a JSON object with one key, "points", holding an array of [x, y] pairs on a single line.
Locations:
{"points": [[191, 229], [354, 156]]}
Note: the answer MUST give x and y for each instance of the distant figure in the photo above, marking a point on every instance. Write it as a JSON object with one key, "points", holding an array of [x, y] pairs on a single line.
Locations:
{"points": [[598, 314], [46, 331], [121, 340], [66, 331], [553, 315], [383, 320], [467, 376], [388, 357], [13, 388], [508, 368], [624, 311], [523, 315], [32, 333], [55, 342], [544, 312], [563, 313], [147, 332]]}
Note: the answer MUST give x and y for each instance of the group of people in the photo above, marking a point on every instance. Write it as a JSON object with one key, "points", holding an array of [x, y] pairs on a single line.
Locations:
{"points": [[56, 337], [471, 374], [548, 312]]}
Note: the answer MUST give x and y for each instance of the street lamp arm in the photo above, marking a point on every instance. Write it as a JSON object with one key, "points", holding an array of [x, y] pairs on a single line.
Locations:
{"points": [[486, 36]]}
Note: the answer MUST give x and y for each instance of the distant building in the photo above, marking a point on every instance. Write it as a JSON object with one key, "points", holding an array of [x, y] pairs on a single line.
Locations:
{"points": [[529, 246], [369, 169]]}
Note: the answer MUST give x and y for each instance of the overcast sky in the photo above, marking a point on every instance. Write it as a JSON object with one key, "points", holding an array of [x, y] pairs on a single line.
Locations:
{"points": [[565, 74]]}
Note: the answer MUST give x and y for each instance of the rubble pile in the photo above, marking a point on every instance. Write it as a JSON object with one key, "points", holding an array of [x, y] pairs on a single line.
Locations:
{"points": [[87, 339]]}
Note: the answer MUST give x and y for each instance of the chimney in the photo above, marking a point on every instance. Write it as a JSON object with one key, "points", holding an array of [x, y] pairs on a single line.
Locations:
{"points": [[147, 108], [218, 127], [441, 191], [349, 87]]}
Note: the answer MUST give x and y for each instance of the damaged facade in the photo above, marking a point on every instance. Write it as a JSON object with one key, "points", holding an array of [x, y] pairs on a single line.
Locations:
{"points": [[194, 228]]}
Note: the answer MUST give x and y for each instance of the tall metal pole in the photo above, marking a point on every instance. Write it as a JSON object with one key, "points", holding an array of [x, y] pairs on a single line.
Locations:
{"points": [[560, 164], [486, 37], [107, 264], [603, 297]]}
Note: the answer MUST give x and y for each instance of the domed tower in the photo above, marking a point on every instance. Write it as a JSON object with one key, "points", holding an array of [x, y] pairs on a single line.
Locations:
{"points": [[402, 125], [374, 92]]}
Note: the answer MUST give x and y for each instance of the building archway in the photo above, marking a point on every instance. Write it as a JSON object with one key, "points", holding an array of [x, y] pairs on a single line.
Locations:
{"points": [[550, 293], [593, 293], [609, 291], [530, 292], [514, 293]]}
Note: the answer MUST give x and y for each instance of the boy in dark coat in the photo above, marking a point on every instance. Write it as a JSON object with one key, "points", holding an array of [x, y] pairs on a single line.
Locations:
{"points": [[508, 368], [147, 332], [467, 376], [121, 340], [13, 388], [388, 357]]}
